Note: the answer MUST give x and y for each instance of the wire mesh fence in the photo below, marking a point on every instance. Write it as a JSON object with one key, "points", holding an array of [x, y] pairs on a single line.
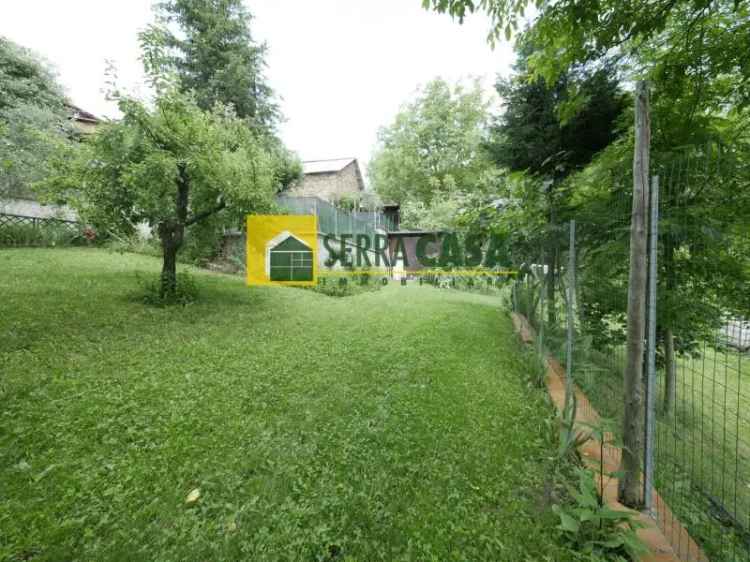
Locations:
{"points": [[20, 230], [700, 443], [332, 220]]}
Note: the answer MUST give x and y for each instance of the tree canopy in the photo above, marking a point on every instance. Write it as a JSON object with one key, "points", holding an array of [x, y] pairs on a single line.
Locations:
{"points": [[549, 132], [208, 48], [696, 38], [33, 118], [209, 45], [434, 148]]}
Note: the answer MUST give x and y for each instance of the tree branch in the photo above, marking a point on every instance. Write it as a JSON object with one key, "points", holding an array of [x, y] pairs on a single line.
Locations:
{"points": [[205, 214]]}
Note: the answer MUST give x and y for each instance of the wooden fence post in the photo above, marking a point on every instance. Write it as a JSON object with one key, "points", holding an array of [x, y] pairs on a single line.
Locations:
{"points": [[630, 488]]}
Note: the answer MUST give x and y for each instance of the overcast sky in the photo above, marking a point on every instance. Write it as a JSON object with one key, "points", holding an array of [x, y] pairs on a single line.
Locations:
{"points": [[341, 67]]}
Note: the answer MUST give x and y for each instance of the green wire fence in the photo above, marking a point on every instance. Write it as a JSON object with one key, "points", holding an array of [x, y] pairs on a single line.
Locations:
{"points": [[698, 443]]}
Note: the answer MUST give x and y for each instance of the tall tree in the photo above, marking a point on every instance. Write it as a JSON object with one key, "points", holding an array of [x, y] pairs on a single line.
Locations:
{"points": [[33, 118], [435, 146], [208, 46], [549, 132], [553, 130], [208, 43]]}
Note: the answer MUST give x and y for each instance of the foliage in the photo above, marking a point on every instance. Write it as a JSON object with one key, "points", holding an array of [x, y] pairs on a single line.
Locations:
{"points": [[526, 300], [26, 79], [570, 436], [440, 215], [536, 368], [704, 203], [552, 130], [692, 40], [133, 242], [591, 527], [209, 45], [288, 410], [546, 133], [348, 202], [369, 200], [433, 149], [33, 119]]}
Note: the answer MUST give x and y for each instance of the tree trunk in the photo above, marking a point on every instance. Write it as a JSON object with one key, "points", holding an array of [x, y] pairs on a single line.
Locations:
{"points": [[633, 420], [169, 266], [172, 233], [670, 372]]}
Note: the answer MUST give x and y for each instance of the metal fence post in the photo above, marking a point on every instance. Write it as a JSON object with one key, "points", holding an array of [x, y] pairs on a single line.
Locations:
{"points": [[542, 289], [648, 461], [569, 314]]}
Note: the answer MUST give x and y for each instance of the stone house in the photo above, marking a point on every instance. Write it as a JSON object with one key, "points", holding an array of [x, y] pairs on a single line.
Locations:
{"points": [[331, 180]]}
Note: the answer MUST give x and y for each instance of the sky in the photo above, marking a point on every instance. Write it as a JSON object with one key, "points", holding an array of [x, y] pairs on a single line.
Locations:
{"points": [[342, 68]]}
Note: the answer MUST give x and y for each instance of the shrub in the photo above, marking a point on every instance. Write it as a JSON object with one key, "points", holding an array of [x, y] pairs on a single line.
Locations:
{"points": [[185, 291]]}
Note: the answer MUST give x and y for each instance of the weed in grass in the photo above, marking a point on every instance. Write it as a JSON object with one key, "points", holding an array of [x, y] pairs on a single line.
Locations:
{"points": [[596, 529]]}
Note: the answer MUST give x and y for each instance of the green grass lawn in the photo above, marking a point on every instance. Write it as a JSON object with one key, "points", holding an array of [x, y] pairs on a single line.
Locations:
{"points": [[394, 425]]}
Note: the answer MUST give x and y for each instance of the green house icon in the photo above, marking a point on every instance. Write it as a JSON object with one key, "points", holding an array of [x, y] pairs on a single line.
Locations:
{"points": [[288, 259]]}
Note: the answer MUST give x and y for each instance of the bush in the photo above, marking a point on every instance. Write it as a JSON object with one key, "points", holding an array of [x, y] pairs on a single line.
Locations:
{"points": [[184, 293], [527, 301]]}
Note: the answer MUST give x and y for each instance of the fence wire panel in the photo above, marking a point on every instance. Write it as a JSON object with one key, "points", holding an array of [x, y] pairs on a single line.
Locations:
{"points": [[702, 444], [20, 230], [593, 296], [603, 243], [332, 220]]}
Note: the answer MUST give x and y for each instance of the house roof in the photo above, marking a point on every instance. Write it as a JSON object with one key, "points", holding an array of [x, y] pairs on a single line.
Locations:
{"points": [[79, 114], [326, 166]]}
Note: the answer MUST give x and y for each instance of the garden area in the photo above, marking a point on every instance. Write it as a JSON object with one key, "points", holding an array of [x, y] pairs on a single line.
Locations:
{"points": [[266, 423]]}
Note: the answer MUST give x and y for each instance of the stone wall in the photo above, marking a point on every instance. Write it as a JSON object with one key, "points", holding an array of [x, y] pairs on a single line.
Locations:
{"points": [[330, 186]]}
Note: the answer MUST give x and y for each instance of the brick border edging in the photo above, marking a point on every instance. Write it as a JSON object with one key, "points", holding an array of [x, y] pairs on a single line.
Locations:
{"points": [[661, 549]]}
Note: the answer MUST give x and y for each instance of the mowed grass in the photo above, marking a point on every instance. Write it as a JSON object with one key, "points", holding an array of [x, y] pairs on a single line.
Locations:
{"points": [[395, 425]]}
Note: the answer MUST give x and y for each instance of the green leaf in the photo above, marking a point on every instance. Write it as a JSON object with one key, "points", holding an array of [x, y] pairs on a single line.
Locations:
{"points": [[568, 523]]}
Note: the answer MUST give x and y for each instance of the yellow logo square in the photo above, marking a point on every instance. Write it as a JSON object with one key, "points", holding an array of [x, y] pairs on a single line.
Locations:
{"points": [[282, 250]]}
